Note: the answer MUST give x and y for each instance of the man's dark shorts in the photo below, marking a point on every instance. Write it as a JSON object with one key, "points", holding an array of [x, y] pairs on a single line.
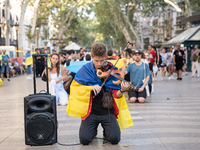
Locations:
{"points": [[179, 66], [133, 93]]}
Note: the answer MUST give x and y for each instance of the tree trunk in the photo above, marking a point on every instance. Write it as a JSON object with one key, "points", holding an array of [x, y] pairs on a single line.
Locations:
{"points": [[21, 34], [34, 17], [133, 31], [122, 28], [142, 40], [63, 29], [7, 42]]}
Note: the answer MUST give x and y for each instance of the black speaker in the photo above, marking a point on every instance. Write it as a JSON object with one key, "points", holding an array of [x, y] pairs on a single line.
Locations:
{"points": [[40, 117]]}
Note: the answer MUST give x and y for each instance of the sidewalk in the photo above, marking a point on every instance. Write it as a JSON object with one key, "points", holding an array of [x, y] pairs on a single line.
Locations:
{"points": [[168, 120]]}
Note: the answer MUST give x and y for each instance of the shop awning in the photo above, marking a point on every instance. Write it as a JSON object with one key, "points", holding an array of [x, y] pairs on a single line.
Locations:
{"points": [[191, 34]]}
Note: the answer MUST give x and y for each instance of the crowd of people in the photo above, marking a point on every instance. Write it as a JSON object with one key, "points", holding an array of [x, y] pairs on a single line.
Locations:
{"points": [[10, 67], [140, 68]]}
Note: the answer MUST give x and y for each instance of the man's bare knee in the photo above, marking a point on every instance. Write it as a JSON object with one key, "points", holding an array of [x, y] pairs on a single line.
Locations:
{"points": [[141, 99], [133, 99]]}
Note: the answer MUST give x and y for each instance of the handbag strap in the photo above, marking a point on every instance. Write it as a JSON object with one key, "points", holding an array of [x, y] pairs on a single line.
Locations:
{"points": [[144, 71]]}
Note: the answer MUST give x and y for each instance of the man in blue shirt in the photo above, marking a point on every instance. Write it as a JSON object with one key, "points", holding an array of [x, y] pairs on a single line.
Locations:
{"points": [[139, 72], [4, 59]]}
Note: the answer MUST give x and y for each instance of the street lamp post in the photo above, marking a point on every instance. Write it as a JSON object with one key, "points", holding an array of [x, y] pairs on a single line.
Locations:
{"points": [[17, 28], [54, 40]]}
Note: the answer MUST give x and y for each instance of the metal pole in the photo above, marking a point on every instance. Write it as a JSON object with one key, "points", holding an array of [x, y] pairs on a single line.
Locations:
{"points": [[17, 45]]}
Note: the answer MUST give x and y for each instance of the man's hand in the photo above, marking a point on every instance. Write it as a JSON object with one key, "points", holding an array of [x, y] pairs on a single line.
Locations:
{"points": [[64, 77], [125, 61], [141, 89], [174, 63], [5, 64], [96, 89], [125, 86]]}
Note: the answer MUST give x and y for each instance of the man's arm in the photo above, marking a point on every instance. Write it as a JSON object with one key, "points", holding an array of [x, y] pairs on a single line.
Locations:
{"points": [[124, 67], [144, 84], [174, 59]]}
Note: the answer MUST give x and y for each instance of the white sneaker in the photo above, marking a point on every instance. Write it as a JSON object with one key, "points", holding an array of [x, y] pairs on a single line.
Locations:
{"points": [[29, 78], [172, 77], [161, 78], [169, 78]]}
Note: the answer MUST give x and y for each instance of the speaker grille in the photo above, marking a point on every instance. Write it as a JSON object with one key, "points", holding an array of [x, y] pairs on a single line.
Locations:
{"points": [[40, 128]]}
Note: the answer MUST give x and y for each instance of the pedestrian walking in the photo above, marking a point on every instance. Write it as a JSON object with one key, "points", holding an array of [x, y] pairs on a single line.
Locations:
{"points": [[163, 65], [195, 64], [178, 60], [170, 64], [4, 59]]}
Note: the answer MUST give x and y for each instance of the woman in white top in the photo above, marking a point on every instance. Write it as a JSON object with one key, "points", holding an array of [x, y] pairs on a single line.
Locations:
{"points": [[56, 78], [163, 65]]}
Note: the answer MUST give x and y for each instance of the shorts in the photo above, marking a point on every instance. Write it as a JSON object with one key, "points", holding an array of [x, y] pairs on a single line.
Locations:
{"points": [[162, 66], [29, 69], [179, 66], [184, 60], [4, 68], [133, 93]]}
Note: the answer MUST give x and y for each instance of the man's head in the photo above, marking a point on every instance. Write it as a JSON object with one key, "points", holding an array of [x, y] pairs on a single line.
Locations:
{"points": [[85, 49], [98, 54], [196, 47], [53, 51], [110, 53], [62, 56], [149, 48], [4, 52], [137, 55], [130, 45], [88, 57], [178, 46], [72, 52]]}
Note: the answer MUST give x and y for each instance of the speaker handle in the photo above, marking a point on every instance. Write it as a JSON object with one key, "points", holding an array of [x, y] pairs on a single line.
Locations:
{"points": [[34, 70], [47, 74]]}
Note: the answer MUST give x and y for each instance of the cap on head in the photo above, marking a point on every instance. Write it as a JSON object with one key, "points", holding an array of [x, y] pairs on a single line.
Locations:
{"points": [[137, 52]]}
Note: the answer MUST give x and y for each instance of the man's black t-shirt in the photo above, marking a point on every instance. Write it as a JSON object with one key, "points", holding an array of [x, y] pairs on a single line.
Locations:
{"points": [[110, 59], [178, 59], [97, 107]]}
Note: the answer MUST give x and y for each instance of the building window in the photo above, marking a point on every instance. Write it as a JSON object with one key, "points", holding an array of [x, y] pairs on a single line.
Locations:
{"points": [[3, 13]]}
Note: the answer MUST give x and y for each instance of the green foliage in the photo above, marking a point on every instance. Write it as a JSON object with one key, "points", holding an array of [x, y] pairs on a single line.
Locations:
{"points": [[28, 34]]}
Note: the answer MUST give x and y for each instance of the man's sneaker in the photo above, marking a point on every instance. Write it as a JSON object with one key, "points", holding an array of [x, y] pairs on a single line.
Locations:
{"points": [[8, 79], [180, 78], [169, 78]]}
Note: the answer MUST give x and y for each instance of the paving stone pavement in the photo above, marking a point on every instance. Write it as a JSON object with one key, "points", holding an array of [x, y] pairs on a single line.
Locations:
{"points": [[168, 120]]}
